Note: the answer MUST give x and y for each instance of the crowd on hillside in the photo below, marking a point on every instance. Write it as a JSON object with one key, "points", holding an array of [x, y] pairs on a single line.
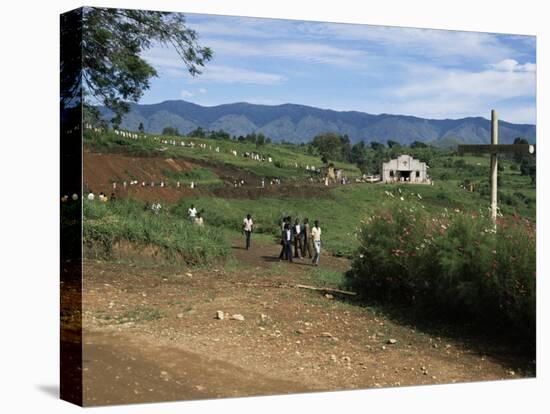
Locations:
{"points": [[255, 156]]}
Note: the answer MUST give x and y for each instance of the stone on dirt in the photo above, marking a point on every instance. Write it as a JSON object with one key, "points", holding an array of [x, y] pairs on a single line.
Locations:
{"points": [[237, 317], [219, 315], [392, 341]]}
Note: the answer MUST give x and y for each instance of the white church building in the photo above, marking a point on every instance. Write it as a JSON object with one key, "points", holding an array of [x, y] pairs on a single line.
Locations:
{"points": [[405, 169]]}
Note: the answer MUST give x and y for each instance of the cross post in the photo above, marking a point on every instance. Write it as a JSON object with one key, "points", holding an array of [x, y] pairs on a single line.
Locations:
{"points": [[494, 149], [494, 165]]}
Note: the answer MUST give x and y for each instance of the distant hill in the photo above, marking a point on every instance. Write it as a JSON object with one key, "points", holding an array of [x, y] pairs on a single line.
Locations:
{"points": [[299, 123]]}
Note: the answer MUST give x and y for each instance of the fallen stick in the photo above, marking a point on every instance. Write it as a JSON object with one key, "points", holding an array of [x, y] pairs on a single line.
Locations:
{"points": [[326, 289]]}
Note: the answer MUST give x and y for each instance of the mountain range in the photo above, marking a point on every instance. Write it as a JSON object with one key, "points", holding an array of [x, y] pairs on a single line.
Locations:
{"points": [[300, 123]]}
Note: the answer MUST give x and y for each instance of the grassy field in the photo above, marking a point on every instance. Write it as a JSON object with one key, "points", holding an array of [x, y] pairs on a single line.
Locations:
{"points": [[106, 224], [201, 176], [340, 209], [285, 157]]}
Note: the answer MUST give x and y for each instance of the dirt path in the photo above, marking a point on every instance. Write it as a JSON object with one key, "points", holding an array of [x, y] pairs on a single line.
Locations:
{"points": [[121, 368], [151, 334]]}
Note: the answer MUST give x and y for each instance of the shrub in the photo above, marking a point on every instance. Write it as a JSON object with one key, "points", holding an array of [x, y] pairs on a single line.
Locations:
{"points": [[453, 264], [104, 224]]}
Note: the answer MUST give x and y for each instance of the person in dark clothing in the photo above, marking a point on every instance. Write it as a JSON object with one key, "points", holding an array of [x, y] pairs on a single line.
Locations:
{"points": [[297, 235], [283, 224], [287, 238], [306, 239]]}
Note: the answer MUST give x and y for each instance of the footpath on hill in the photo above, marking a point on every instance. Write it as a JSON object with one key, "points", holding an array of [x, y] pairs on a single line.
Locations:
{"points": [[152, 332]]}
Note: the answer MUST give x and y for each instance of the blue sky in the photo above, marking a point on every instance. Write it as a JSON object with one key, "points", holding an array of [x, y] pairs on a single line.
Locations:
{"points": [[376, 69]]}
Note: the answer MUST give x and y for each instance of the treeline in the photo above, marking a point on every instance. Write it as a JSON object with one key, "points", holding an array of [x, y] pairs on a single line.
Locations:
{"points": [[258, 139], [527, 163], [368, 157]]}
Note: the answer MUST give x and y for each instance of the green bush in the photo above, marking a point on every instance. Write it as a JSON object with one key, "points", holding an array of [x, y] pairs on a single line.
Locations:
{"points": [[105, 224], [454, 264]]}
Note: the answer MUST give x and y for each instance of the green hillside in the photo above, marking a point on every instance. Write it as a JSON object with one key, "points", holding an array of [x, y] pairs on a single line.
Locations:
{"points": [[461, 183], [288, 161]]}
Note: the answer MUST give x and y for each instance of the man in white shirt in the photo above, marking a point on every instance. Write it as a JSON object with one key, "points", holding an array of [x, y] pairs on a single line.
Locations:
{"points": [[316, 237], [192, 212], [91, 196], [247, 229]]}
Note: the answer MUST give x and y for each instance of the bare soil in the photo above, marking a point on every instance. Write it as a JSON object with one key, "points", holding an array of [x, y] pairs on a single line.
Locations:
{"points": [[102, 169], [151, 334]]}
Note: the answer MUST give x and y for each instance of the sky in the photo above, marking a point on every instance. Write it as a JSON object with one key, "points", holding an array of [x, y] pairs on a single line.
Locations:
{"points": [[428, 73]]}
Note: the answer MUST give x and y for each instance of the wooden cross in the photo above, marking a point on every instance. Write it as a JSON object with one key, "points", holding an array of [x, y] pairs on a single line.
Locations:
{"points": [[494, 149]]}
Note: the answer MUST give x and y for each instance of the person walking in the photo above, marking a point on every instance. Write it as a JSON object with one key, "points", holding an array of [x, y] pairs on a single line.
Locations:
{"points": [[283, 224], [297, 235], [306, 241], [287, 242], [248, 224], [316, 237], [192, 213]]}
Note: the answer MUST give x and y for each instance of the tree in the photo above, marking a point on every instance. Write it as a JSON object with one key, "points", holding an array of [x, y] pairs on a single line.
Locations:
{"points": [[345, 148], [528, 167], [392, 144], [113, 42], [357, 155], [517, 156], [376, 146], [197, 133], [219, 134], [328, 146], [140, 127], [260, 139], [418, 144], [170, 131]]}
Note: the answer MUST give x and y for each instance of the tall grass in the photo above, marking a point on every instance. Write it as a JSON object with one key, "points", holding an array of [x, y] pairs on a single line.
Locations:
{"points": [[105, 224], [201, 176]]}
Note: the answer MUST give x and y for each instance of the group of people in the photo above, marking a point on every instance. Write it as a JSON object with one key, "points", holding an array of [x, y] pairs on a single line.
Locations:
{"points": [[102, 197], [160, 184], [301, 236], [195, 216]]}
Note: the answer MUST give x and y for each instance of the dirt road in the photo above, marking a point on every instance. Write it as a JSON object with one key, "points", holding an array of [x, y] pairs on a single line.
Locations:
{"points": [[151, 334]]}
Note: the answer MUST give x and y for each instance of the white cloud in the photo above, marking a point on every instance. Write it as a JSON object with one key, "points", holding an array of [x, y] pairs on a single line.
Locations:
{"points": [[511, 65], [202, 90], [186, 94], [428, 43], [438, 93], [495, 84], [170, 64], [229, 74], [311, 52], [233, 26], [433, 43]]}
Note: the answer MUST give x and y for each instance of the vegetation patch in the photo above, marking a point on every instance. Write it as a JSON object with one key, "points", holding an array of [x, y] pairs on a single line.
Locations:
{"points": [[452, 264], [106, 224]]}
